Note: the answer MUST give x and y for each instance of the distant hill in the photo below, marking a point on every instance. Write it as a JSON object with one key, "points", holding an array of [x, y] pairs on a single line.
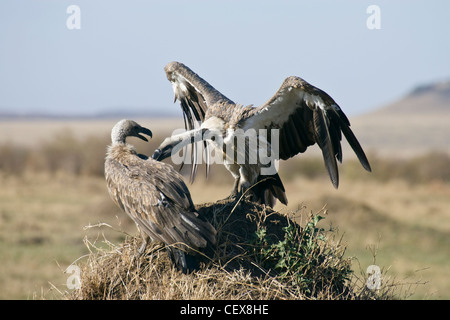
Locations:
{"points": [[430, 98], [414, 124]]}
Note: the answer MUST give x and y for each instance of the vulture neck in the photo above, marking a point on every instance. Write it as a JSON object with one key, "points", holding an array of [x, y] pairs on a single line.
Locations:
{"points": [[118, 138], [118, 150], [118, 135]]}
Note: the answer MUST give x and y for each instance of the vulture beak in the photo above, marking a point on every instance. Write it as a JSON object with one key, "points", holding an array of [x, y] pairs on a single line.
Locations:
{"points": [[144, 131]]}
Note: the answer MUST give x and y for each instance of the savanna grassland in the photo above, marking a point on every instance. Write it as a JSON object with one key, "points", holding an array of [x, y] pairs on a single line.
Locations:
{"points": [[53, 200]]}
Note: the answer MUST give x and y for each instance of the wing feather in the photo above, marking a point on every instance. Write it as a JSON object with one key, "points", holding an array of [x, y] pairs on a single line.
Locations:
{"points": [[154, 195], [354, 143], [306, 115], [195, 94], [323, 139]]}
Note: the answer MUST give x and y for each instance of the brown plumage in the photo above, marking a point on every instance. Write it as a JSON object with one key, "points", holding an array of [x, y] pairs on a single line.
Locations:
{"points": [[153, 195], [303, 114]]}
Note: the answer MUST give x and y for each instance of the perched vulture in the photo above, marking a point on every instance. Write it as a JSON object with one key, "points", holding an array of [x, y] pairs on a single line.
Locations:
{"points": [[297, 116], [154, 196]]}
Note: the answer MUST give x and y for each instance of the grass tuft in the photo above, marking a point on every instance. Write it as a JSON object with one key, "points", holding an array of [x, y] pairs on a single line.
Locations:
{"points": [[260, 254]]}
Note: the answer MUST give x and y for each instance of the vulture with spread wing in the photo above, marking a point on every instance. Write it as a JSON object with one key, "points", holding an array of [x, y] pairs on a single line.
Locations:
{"points": [[154, 196], [297, 116]]}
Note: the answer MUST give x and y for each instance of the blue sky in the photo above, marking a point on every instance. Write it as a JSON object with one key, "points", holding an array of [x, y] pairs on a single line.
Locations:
{"points": [[245, 49]]}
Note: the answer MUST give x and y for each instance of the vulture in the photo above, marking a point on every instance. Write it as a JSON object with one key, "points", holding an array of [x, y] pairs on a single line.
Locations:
{"points": [[155, 197], [297, 116]]}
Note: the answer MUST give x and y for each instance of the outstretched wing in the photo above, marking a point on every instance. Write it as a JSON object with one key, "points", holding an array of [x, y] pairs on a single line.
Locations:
{"points": [[195, 94], [154, 195], [306, 115]]}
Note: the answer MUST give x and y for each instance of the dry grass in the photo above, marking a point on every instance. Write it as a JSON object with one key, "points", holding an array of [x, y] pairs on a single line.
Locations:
{"points": [[43, 234], [31, 133], [260, 254], [51, 190]]}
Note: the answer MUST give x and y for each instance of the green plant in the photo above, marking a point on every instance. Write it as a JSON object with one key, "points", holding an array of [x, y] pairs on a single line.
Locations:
{"points": [[304, 258]]}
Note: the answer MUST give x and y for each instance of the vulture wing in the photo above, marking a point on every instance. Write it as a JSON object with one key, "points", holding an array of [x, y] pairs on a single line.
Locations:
{"points": [[154, 195], [195, 96], [306, 115]]}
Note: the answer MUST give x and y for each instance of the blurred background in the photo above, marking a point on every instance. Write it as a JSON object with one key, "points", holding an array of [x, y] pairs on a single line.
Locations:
{"points": [[69, 70]]}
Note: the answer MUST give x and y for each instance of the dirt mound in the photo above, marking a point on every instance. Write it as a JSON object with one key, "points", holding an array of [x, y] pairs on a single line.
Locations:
{"points": [[260, 254]]}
